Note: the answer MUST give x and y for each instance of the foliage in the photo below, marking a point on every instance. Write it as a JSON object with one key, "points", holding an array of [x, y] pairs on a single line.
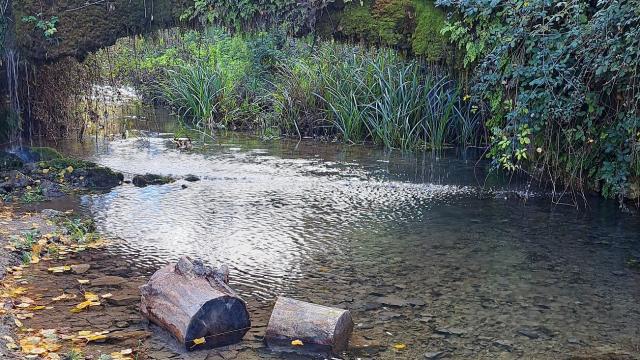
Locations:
{"points": [[384, 22], [48, 26], [32, 195], [296, 15], [295, 87], [427, 40], [559, 80]]}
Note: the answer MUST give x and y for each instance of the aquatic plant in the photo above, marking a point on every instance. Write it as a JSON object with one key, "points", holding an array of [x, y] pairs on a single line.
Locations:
{"points": [[440, 100], [395, 119], [196, 92]]}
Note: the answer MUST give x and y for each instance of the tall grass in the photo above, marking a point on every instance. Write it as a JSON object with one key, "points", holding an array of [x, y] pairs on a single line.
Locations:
{"points": [[284, 86], [196, 92]]}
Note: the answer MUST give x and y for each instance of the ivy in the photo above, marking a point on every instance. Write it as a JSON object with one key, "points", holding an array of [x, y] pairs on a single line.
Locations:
{"points": [[559, 81], [48, 27], [243, 15]]}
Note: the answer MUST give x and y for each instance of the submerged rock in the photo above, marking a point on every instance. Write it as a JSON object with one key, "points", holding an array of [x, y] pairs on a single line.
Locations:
{"points": [[80, 268], [433, 355], [191, 178], [451, 331], [151, 179]]}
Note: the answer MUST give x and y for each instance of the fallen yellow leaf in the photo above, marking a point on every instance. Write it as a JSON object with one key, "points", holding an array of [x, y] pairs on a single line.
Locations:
{"points": [[199, 341], [400, 346], [83, 281], [297, 343]]}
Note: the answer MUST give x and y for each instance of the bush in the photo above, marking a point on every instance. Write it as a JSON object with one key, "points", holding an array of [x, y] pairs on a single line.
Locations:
{"points": [[560, 83]]}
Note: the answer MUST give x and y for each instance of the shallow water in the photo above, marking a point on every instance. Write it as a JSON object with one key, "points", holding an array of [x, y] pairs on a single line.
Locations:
{"points": [[478, 272]]}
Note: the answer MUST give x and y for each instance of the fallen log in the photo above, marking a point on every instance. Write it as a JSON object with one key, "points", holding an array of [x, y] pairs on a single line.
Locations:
{"points": [[300, 326], [194, 303]]}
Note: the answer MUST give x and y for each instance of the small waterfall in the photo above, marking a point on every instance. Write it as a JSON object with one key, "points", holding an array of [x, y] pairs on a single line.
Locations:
{"points": [[12, 61]]}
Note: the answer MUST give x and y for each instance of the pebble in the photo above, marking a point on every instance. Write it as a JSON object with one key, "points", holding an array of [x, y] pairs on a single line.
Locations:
{"points": [[433, 355], [451, 331], [108, 281], [80, 269], [504, 344]]}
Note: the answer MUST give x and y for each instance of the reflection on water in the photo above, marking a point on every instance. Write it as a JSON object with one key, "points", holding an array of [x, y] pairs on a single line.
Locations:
{"points": [[346, 225]]}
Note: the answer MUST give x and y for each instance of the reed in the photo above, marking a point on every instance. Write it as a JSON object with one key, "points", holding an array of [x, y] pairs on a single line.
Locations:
{"points": [[196, 92]]}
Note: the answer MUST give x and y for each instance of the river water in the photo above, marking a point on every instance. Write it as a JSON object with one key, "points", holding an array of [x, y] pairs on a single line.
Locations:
{"points": [[429, 251]]}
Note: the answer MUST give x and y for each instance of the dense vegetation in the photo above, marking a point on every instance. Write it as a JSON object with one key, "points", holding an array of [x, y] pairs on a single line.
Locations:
{"points": [[285, 86], [560, 81], [548, 88]]}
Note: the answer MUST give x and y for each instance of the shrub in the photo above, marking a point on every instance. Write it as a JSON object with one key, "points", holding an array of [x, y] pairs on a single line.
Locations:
{"points": [[560, 83]]}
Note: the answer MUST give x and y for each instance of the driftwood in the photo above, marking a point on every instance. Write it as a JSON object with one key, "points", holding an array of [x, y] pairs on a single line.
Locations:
{"points": [[300, 326], [194, 303]]}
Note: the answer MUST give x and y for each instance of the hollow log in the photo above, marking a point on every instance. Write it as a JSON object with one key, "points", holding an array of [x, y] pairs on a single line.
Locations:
{"points": [[300, 326], [194, 303]]}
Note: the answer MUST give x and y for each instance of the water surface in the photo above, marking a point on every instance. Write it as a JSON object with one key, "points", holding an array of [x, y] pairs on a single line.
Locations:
{"points": [[478, 272]]}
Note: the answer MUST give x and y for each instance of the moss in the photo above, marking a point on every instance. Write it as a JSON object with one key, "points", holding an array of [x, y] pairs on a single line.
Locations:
{"points": [[64, 163], [83, 28], [45, 153], [386, 22], [427, 40]]}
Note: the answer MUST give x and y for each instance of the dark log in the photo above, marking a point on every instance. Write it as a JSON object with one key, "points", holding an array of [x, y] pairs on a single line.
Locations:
{"points": [[193, 301], [300, 326]]}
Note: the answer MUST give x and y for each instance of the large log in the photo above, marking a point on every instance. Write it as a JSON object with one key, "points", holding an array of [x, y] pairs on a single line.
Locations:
{"points": [[193, 302], [300, 326]]}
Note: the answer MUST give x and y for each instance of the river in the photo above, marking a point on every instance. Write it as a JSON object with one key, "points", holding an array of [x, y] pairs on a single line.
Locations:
{"points": [[430, 251]]}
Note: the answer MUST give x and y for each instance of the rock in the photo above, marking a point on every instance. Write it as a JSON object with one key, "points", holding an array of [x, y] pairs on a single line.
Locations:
{"points": [[102, 178], [108, 281], [151, 179], [389, 315], [535, 332], [9, 161], [129, 335], [433, 355], [451, 331], [123, 299], [360, 343], [16, 180], [392, 300], [51, 213], [504, 344], [416, 302], [191, 178], [51, 189], [80, 269], [531, 334]]}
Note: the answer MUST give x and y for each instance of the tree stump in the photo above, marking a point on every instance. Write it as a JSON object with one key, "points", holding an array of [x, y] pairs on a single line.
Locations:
{"points": [[194, 303], [300, 326]]}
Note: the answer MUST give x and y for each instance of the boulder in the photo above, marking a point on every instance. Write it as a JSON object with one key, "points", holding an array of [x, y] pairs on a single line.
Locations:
{"points": [[102, 178], [151, 179]]}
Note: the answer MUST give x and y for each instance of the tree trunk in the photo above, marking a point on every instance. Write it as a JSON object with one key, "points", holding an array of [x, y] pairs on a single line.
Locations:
{"points": [[193, 302], [300, 326]]}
